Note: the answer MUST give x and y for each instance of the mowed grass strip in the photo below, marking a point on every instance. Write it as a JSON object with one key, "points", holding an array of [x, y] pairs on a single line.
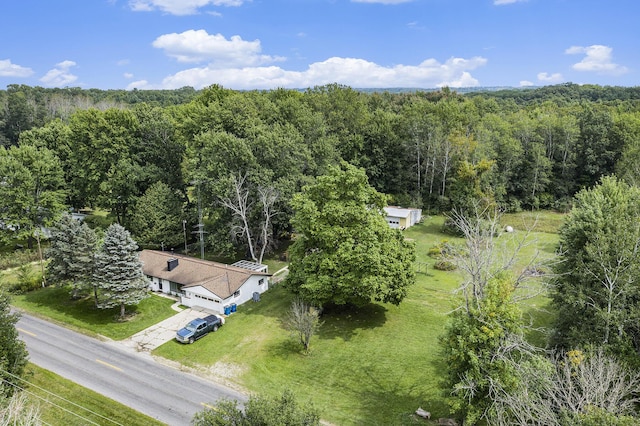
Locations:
{"points": [[56, 304], [52, 394]]}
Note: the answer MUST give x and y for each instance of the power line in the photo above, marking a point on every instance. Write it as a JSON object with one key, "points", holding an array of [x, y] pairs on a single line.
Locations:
{"points": [[26, 391], [48, 402], [59, 397]]}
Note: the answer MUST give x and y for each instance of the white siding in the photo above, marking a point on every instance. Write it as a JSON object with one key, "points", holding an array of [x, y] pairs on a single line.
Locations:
{"points": [[200, 296]]}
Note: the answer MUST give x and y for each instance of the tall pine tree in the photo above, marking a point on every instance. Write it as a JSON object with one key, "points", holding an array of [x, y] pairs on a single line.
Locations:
{"points": [[71, 254], [118, 271]]}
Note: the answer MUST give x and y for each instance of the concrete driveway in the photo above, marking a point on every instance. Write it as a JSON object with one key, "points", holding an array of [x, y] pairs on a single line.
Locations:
{"points": [[154, 336]]}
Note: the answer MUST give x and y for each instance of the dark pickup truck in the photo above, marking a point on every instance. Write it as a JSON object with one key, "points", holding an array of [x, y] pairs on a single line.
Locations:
{"points": [[198, 328]]}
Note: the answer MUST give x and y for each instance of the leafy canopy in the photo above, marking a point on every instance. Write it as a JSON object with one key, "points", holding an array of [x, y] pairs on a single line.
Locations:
{"points": [[283, 410], [345, 252], [596, 291]]}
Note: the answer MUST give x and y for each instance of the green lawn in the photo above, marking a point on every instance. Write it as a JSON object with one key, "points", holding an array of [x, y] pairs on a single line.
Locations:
{"points": [[82, 315], [62, 402], [375, 365]]}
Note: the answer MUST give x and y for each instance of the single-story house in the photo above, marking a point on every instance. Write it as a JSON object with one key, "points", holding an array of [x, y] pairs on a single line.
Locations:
{"points": [[402, 218], [201, 283]]}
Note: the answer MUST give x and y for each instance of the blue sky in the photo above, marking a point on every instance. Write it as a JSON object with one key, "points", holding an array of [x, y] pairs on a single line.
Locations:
{"points": [[265, 44]]}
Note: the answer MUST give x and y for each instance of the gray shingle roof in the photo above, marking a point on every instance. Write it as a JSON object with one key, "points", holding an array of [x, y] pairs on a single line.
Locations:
{"points": [[220, 279]]}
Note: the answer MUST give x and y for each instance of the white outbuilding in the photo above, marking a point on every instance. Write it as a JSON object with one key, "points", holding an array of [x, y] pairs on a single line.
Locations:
{"points": [[402, 218]]}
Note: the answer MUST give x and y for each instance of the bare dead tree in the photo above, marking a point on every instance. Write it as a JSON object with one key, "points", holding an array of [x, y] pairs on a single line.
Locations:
{"points": [[302, 321], [485, 256], [568, 383], [268, 197], [241, 205]]}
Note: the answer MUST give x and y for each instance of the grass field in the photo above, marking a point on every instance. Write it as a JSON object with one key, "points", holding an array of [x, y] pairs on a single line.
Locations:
{"points": [[374, 365], [62, 402]]}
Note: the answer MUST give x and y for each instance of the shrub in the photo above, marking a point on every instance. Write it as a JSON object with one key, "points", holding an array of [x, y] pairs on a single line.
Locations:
{"points": [[444, 265], [29, 279], [443, 252]]}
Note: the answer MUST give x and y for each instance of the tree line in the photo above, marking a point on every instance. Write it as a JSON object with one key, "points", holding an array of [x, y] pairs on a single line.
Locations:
{"points": [[153, 158]]}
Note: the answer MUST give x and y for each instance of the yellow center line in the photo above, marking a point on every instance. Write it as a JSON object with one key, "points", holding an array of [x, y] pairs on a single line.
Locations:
{"points": [[108, 365], [204, 404], [26, 332]]}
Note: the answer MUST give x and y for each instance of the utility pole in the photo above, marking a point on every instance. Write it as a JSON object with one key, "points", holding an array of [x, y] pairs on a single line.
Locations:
{"points": [[184, 230], [200, 224]]}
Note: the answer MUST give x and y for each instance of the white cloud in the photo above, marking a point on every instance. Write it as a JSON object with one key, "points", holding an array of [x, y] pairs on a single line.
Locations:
{"points": [[199, 46], [503, 2], [525, 83], [7, 69], [140, 84], [127, 75], [550, 78], [60, 75], [179, 7], [348, 71], [598, 59]]}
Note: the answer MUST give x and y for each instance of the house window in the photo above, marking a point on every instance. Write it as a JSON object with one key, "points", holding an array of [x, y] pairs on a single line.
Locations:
{"points": [[236, 294], [174, 287], [160, 285], [261, 281]]}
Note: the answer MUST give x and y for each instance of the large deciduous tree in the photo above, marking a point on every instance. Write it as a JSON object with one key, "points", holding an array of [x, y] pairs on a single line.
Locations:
{"points": [[345, 252], [596, 292], [118, 271], [31, 181], [157, 217]]}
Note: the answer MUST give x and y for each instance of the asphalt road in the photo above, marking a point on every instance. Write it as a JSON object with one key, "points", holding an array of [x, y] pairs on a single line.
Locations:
{"points": [[131, 378]]}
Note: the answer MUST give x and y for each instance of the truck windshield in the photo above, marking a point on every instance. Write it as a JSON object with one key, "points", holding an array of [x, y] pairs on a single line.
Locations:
{"points": [[191, 327]]}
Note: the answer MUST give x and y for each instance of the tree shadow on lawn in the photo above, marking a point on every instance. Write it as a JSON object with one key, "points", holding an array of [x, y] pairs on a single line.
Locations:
{"points": [[387, 401], [83, 309], [343, 321]]}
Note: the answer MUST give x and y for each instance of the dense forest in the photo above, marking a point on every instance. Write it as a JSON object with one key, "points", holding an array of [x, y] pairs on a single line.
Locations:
{"points": [[148, 156]]}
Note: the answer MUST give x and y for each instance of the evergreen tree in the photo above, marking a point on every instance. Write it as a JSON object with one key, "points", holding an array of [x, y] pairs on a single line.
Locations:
{"points": [[13, 352], [118, 271], [71, 254]]}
